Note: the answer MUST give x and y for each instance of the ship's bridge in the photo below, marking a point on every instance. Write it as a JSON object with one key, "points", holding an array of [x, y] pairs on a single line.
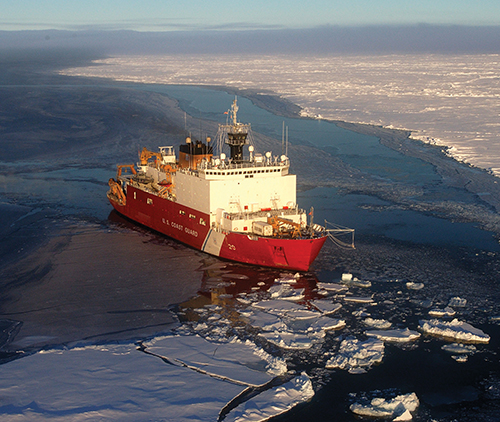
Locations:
{"points": [[255, 166]]}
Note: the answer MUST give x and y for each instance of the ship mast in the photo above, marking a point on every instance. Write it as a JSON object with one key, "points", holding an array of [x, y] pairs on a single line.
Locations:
{"points": [[235, 134]]}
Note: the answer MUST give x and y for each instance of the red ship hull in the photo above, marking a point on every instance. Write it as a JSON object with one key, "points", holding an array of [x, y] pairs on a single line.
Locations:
{"points": [[192, 227]]}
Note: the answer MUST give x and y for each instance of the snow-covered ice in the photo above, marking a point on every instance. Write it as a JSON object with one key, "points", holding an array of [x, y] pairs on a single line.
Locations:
{"points": [[326, 307], [359, 299], [457, 302], [286, 292], [380, 324], [457, 330], [414, 286], [332, 287], [283, 398], [236, 361], [394, 336], [397, 409], [357, 356], [108, 383], [459, 348], [289, 340], [446, 312]]}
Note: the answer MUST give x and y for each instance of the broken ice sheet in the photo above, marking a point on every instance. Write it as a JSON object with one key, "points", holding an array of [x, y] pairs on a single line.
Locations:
{"points": [[459, 348], [286, 292], [264, 320], [456, 330], [325, 306], [273, 402], [277, 307], [414, 286], [113, 382], [380, 324], [359, 299], [235, 361], [438, 313], [398, 407], [357, 356], [457, 302], [331, 287], [397, 335], [289, 340]]}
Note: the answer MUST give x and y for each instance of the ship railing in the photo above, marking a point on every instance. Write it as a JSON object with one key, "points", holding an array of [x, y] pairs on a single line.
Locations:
{"points": [[337, 234], [229, 165], [252, 215]]}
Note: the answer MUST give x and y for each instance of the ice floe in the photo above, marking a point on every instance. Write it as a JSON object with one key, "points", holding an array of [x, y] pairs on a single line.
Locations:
{"points": [[446, 312], [331, 288], [325, 306], [455, 329], [289, 340], [235, 361], [349, 280], [359, 299], [357, 356], [457, 302], [114, 382], [380, 324], [273, 402], [397, 409], [288, 278], [276, 306], [395, 336], [286, 292], [459, 349], [414, 286]]}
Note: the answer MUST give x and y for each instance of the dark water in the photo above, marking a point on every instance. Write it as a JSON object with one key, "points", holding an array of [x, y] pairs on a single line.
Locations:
{"points": [[57, 222]]}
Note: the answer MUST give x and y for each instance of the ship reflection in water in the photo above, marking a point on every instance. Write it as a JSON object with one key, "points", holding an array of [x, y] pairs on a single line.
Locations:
{"points": [[228, 285]]}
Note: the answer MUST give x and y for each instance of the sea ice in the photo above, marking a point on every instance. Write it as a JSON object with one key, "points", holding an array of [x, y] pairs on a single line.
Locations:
{"points": [[112, 382], [446, 312], [288, 340], [327, 324], [455, 329], [394, 336], [459, 348], [414, 286], [398, 407], [355, 282], [457, 302], [236, 361], [325, 306], [273, 402], [286, 292], [357, 356], [380, 324], [264, 320], [287, 278], [331, 287], [276, 306], [446, 104], [300, 319], [359, 299], [346, 277]]}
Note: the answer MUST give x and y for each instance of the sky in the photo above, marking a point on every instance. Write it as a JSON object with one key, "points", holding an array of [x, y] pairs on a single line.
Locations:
{"points": [[170, 15]]}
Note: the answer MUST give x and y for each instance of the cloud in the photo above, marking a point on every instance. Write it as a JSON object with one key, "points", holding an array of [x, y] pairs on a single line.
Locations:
{"points": [[244, 38]]}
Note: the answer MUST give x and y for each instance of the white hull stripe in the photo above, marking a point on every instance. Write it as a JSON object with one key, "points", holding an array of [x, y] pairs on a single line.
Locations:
{"points": [[213, 242]]}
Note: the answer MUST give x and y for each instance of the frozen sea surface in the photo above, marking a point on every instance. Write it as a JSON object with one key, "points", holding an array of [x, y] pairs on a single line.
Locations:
{"points": [[449, 100]]}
